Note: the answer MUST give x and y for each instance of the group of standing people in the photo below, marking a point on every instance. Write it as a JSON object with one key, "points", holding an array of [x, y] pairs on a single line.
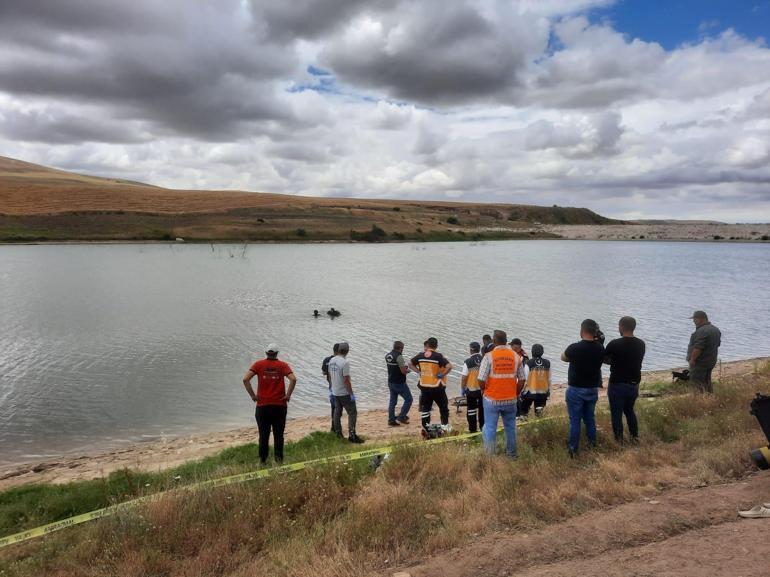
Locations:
{"points": [[499, 380]]}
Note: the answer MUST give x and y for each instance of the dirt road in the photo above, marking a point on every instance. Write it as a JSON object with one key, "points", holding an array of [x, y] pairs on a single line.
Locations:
{"points": [[680, 533]]}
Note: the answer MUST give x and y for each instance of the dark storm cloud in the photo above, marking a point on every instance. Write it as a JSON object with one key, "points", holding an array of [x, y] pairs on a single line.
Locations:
{"points": [[61, 127], [308, 19], [194, 69], [435, 52]]}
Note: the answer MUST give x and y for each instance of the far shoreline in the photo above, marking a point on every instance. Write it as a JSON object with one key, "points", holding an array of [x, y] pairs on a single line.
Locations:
{"points": [[158, 455]]}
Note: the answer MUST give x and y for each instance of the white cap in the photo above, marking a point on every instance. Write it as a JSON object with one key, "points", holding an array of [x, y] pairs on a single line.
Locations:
{"points": [[271, 348]]}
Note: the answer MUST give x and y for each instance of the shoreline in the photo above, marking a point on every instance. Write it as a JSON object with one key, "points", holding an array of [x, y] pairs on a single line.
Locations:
{"points": [[168, 453], [745, 233]]}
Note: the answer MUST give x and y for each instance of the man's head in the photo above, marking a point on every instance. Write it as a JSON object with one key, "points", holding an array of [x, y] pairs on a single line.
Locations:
{"points": [[537, 351], [500, 338], [432, 343], [627, 326], [486, 339], [272, 351], [588, 329], [398, 346], [344, 349], [336, 348], [700, 318], [516, 344], [475, 347]]}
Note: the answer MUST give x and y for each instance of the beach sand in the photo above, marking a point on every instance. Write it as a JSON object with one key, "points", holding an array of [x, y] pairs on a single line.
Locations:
{"points": [[160, 455]]}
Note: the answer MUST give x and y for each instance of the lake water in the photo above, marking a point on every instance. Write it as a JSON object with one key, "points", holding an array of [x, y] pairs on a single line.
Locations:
{"points": [[108, 344]]}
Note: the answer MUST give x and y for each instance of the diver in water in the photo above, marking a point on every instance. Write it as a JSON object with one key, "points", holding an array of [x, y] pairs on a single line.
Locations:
{"points": [[315, 313], [332, 312]]}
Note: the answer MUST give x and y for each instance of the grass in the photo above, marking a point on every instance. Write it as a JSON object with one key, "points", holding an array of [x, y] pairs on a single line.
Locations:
{"points": [[345, 520], [30, 506]]}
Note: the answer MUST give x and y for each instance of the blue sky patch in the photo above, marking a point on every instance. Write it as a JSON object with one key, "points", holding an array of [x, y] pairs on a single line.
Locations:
{"points": [[672, 23]]}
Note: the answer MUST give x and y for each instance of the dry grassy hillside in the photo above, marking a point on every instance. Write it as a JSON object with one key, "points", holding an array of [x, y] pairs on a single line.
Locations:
{"points": [[40, 203]]}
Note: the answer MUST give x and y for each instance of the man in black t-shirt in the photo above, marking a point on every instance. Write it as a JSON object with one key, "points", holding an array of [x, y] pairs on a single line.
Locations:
{"points": [[584, 378], [624, 355]]}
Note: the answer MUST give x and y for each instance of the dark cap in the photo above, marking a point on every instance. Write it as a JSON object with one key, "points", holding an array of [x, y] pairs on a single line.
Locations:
{"points": [[699, 315]]}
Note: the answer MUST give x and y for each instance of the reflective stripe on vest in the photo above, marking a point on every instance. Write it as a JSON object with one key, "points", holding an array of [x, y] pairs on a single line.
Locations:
{"points": [[502, 383]]}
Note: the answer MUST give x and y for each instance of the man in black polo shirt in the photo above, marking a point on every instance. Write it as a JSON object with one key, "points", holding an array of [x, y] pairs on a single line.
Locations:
{"points": [[624, 355], [397, 386], [584, 378]]}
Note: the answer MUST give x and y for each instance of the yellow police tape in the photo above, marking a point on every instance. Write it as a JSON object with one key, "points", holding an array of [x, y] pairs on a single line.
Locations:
{"points": [[231, 480]]}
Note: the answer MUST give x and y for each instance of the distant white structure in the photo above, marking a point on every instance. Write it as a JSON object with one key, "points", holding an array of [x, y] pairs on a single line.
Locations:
{"points": [[179, 239]]}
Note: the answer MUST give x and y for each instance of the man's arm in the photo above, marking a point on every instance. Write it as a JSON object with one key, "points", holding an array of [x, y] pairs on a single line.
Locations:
{"points": [[247, 385], [564, 357], [484, 369], [696, 352], [402, 365], [348, 385], [292, 382]]}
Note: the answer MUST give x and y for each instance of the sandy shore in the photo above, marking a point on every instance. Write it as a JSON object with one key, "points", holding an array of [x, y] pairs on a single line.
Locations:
{"points": [[686, 231], [160, 455]]}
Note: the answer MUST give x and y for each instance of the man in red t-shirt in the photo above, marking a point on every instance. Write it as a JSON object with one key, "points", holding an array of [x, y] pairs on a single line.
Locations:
{"points": [[271, 398]]}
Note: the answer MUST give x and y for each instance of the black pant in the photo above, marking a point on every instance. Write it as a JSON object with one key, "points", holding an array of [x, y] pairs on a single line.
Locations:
{"points": [[429, 395], [527, 400], [271, 417], [475, 412], [622, 397]]}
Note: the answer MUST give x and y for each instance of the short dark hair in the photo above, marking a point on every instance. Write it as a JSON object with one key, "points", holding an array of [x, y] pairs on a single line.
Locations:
{"points": [[398, 345], [486, 338], [500, 337], [589, 326], [432, 343], [475, 347], [336, 348], [537, 351], [344, 348], [627, 323], [516, 341]]}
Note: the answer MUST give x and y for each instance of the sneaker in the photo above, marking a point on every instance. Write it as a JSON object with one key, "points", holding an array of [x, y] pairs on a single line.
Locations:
{"points": [[572, 451], [393, 424], [403, 420], [355, 439], [539, 411]]}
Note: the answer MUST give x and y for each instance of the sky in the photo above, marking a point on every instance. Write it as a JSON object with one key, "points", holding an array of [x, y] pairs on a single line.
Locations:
{"points": [[633, 108]]}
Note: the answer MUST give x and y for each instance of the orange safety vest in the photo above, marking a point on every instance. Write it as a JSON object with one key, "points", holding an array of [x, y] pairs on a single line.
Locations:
{"points": [[502, 384]]}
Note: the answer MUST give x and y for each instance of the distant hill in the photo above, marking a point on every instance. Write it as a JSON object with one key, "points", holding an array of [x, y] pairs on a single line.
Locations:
{"points": [[41, 203]]}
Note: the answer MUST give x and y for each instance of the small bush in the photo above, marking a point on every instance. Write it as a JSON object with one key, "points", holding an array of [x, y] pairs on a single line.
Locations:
{"points": [[301, 232], [452, 220], [717, 237], [396, 209], [765, 237]]}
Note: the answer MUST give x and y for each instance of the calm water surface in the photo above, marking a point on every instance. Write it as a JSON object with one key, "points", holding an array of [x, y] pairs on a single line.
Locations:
{"points": [[106, 344]]}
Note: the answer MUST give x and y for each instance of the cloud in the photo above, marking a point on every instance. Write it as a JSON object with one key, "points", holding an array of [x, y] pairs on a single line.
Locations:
{"points": [[581, 137], [434, 52], [485, 100]]}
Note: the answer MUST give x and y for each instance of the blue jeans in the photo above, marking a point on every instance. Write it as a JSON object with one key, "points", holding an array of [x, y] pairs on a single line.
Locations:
{"points": [[581, 403], [396, 390], [493, 410]]}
